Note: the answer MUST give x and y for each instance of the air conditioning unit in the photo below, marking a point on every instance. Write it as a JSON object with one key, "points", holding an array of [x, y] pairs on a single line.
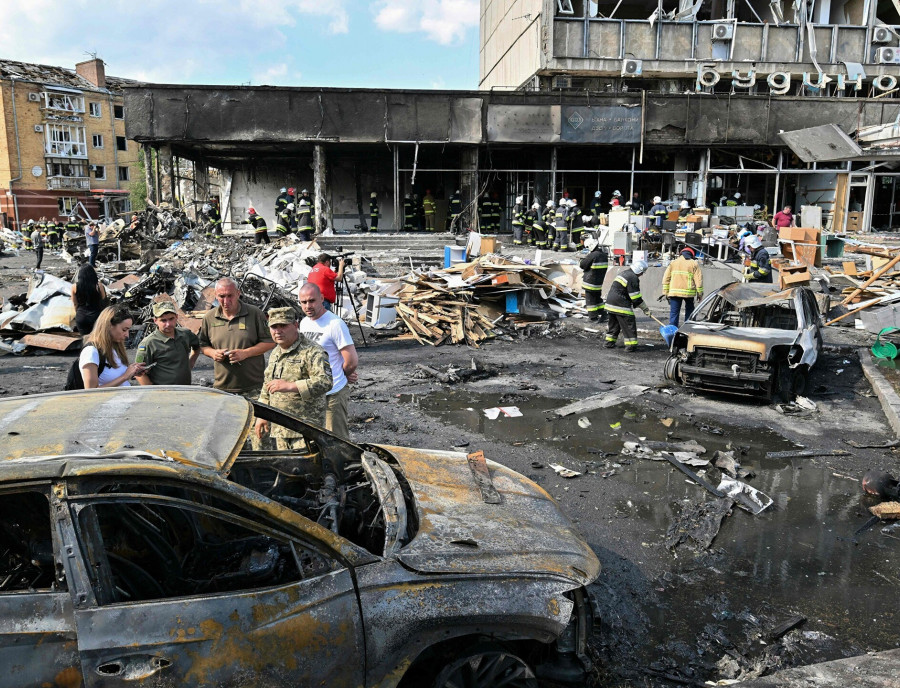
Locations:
{"points": [[722, 32], [39, 128], [34, 97], [632, 67], [887, 56], [561, 82], [881, 34], [93, 168]]}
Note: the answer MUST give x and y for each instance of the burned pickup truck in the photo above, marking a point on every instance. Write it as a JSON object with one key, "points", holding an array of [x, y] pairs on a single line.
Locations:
{"points": [[142, 543], [749, 339]]}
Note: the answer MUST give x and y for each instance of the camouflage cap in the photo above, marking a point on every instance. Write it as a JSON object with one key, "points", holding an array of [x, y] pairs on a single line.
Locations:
{"points": [[282, 316], [160, 308]]}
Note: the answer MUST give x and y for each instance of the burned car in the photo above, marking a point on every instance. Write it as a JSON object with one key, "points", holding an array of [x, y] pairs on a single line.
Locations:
{"points": [[749, 339], [141, 543]]}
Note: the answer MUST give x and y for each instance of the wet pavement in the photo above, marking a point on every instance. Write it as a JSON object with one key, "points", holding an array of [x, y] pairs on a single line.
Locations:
{"points": [[799, 557]]}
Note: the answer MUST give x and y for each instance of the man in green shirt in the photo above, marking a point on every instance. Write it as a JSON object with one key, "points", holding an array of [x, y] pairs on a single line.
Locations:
{"points": [[297, 379], [169, 353]]}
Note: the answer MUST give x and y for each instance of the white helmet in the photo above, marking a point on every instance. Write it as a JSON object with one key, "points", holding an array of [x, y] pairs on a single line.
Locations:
{"points": [[283, 189], [535, 206], [617, 193], [737, 194], [206, 207], [290, 206], [684, 204], [71, 218], [590, 243], [520, 199], [571, 203], [563, 201], [639, 267], [304, 203], [596, 194], [304, 191], [752, 242], [373, 195], [551, 203], [657, 199]]}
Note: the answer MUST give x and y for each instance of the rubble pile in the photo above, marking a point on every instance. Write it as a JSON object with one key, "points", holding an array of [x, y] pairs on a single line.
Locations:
{"points": [[467, 303]]}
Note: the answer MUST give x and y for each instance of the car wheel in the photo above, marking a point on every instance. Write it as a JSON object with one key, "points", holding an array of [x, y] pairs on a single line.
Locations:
{"points": [[491, 667], [672, 369], [792, 382]]}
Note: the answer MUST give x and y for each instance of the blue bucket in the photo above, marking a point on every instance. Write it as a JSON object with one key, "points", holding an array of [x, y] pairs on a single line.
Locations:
{"points": [[668, 333]]}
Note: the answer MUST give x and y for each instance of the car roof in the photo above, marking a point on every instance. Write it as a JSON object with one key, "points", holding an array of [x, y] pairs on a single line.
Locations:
{"points": [[192, 425]]}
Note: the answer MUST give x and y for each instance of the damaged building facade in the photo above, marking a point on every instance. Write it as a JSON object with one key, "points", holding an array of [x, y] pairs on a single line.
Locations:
{"points": [[63, 143], [685, 100]]}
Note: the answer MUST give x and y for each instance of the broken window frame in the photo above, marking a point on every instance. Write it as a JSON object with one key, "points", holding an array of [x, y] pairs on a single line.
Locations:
{"points": [[66, 205], [75, 169], [63, 102], [564, 8], [99, 172], [118, 112], [65, 140], [95, 109], [59, 583], [94, 551], [124, 173], [121, 143], [97, 140]]}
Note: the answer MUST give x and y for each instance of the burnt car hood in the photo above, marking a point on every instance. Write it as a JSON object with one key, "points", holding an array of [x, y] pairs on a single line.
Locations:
{"points": [[751, 339], [458, 533]]}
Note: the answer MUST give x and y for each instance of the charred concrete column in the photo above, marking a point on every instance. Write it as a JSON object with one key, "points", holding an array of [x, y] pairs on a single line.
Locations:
{"points": [[201, 181], [468, 186], [149, 176], [398, 211], [167, 174], [320, 189]]}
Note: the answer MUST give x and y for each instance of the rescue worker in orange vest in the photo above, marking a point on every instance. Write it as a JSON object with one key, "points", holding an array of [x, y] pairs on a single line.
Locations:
{"points": [[682, 283]]}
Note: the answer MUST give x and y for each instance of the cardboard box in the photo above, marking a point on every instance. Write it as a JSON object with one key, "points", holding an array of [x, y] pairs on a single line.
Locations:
{"points": [[792, 276], [489, 245]]}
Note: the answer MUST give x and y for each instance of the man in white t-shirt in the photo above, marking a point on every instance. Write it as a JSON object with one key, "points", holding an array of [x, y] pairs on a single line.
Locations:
{"points": [[330, 332]]}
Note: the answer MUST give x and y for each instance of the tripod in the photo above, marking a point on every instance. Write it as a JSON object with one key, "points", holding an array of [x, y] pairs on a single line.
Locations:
{"points": [[339, 302]]}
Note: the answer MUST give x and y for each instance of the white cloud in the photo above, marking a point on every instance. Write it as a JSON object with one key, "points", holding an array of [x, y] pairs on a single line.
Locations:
{"points": [[277, 75], [444, 21]]}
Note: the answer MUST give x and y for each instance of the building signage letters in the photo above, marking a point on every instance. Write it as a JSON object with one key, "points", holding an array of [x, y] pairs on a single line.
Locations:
{"points": [[780, 82]]}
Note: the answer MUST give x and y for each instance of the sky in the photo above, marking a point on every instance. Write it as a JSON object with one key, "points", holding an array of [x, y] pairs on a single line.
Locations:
{"points": [[431, 44]]}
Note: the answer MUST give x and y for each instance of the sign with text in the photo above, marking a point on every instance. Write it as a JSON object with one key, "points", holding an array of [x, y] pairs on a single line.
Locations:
{"points": [[523, 123], [600, 124]]}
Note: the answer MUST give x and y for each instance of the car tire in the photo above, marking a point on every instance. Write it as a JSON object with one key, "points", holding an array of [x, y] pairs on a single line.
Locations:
{"points": [[792, 382], [486, 667]]}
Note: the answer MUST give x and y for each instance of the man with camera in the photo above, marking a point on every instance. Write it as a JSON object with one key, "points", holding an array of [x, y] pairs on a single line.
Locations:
{"points": [[325, 278]]}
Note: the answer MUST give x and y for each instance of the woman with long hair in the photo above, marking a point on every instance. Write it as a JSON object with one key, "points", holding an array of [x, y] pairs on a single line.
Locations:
{"points": [[88, 297], [106, 343]]}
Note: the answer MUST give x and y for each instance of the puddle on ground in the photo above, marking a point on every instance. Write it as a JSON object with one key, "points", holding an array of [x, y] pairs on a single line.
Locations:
{"points": [[799, 556]]}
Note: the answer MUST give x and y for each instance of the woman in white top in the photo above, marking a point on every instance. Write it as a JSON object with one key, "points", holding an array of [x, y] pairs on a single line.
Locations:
{"points": [[108, 340]]}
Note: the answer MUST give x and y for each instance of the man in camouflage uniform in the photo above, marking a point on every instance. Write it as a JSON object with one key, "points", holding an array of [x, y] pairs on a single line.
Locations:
{"points": [[296, 381]]}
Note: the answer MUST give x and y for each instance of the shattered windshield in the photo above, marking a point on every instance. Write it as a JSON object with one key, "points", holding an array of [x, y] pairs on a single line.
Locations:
{"points": [[778, 315]]}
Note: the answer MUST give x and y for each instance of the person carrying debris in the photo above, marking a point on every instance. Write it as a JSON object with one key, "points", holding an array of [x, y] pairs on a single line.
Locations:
{"points": [[594, 265], [92, 235], [758, 267], [561, 236], [623, 297], [296, 380], [331, 333], [259, 225], [682, 283], [169, 353], [304, 221], [659, 211], [518, 222], [236, 337], [428, 208], [373, 211]]}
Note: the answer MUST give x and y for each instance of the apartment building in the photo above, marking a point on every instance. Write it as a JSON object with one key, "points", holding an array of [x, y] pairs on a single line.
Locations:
{"points": [[63, 147]]}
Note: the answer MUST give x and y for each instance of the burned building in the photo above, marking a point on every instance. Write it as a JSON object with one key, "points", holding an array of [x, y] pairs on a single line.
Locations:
{"points": [[685, 100]]}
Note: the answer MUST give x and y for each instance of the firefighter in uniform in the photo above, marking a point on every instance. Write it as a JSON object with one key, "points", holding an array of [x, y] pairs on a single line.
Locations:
{"points": [[409, 213], [576, 224], [659, 211], [759, 269], [304, 196], [53, 230], [495, 213], [623, 297], [73, 226], [455, 212], [548, 221], [283, 219], [261, 232], [373, 211], [561, 236], [594, 265], [282, 201], [518, 222], [428, 208], [26, 236], [532, 215], [595, 206], [486, 212], [682, 283], [304, 220], [215, 216]]}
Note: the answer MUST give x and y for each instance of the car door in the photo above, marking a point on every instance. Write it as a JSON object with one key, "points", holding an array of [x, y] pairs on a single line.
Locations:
{"points": [[38, 645], [188, 594]]}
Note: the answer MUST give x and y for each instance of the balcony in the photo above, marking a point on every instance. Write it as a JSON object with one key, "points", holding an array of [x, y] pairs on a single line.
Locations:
{"points": [[65, 149], [63, 103], [78, 183]]}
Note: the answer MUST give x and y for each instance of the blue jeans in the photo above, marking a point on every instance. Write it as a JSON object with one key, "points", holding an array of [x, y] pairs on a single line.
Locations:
{"points": [[675, 308], [92, 258]]}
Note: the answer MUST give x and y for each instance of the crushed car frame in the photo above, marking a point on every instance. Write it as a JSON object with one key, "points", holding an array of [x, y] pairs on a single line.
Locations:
{"points": [[141, 543], [749, 339]]}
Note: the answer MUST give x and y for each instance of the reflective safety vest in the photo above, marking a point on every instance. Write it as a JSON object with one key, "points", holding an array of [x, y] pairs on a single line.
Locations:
{"points": [[594, 265], [561, 216], [373, 208], [304, 219], [683, 278], [455, 205], [624, 293], [428, 205], [518, 214], [259, 224], [760, 268]]}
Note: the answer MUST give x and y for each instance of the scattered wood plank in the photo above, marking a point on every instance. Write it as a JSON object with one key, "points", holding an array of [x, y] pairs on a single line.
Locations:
{"points": [[806, 453], [886, 511], [603, 400]]}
